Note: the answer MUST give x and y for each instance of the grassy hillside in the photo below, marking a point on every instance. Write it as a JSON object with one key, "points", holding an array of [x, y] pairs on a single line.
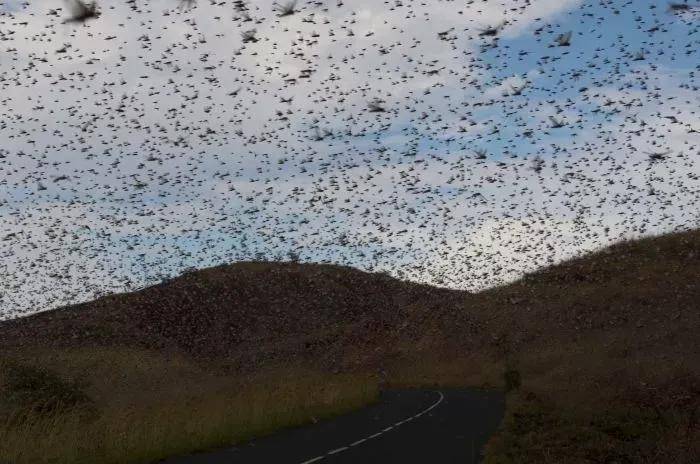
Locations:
{"points": [[608, 351], [269, 344], [600, 356]]}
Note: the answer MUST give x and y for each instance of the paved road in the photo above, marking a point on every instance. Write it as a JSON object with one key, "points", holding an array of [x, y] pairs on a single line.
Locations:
{"points": [[408, 426]]}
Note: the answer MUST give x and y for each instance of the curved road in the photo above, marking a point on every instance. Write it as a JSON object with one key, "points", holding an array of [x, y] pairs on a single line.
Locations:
{"points": [[407, 426]]}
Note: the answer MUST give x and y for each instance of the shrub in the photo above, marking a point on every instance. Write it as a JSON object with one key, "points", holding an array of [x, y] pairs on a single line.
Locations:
{"points": [[40, 391], [511, 378]]}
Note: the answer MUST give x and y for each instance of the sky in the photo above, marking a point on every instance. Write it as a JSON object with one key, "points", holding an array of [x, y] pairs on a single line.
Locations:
{"points": [[155, 138]]}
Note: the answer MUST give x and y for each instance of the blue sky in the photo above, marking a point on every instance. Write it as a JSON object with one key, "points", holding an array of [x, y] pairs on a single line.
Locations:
{"points": [[146, 142]]}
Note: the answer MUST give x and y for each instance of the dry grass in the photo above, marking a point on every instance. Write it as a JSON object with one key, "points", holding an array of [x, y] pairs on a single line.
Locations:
{"points": [[537, 430], [602, 356], [585, 403], [211, 413], [468, 370]]}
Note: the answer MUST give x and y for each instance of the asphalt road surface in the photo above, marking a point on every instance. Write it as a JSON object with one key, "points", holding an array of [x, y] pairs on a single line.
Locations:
{"points": [[408, 426]]}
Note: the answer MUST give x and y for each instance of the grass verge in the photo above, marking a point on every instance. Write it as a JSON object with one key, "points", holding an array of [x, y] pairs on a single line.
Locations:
{"points": [[195, 420], [534, 430]]}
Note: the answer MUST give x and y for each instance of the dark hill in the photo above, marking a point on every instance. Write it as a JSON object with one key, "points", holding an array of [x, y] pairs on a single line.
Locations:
{"points": [[601, 353], [646, 293], [607, 349], [248, 313]]}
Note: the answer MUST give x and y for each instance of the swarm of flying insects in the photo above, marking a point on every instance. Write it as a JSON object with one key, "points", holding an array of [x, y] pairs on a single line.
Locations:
{"points": [[285, 9], [491, 31], [537, 164], [249, 36], [564, 40], [376, 106], [480, 154], [81, 11], [187, 4]]}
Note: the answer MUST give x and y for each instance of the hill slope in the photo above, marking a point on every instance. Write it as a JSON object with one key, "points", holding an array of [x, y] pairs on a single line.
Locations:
{"points": [[648, 290], [246, 314], [608, 350], [601, 352]]}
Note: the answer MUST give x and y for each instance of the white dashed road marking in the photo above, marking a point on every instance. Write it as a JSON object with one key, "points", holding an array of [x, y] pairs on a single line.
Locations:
{"points": [[335, 451], [362, 440], [313, 460]]}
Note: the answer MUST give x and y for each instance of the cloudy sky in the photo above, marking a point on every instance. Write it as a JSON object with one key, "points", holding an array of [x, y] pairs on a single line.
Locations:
{"points": [[157, 137]]}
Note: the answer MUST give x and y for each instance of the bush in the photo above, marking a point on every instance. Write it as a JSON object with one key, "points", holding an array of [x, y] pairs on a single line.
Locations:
{"points": [[40, 391], [511, 378]]}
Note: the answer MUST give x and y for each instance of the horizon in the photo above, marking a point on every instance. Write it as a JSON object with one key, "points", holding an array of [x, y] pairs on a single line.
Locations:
{"points": [[148, 141], [184, 272]]}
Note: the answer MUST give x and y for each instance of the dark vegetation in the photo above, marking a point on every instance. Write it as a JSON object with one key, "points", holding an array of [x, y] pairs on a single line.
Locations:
{"points": [[39, 391], [600, 355]]}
